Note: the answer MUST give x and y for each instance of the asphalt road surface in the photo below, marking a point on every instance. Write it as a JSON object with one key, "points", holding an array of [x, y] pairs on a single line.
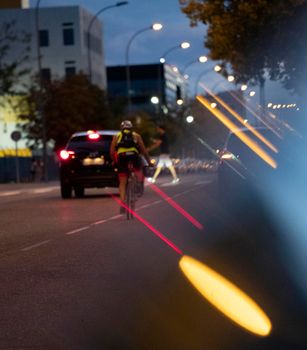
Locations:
{"points": [[74, 274]]}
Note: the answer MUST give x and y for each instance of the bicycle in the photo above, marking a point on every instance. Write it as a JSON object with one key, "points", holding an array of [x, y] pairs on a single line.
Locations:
{"points": [[131, 191]]}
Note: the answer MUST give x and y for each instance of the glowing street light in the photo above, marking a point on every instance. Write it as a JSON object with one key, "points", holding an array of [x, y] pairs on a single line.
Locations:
{"points": [[155, 27], [189, 119], [154, 100], [252, 93], [230, 78], [217, 68], [243, 87], [200, 59], [184, 45]]}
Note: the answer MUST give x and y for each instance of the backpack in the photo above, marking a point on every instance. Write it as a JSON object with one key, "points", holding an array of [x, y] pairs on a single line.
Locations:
{"points": [[126, 139]]}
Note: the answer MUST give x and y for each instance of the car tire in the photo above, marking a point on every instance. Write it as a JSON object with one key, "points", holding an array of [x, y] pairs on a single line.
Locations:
{"points": [[79, 192], [66, 191]]}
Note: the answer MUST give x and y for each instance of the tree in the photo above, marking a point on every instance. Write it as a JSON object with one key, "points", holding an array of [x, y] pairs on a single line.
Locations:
{"points": [[255, 38], [14, 51], [69, 105]]}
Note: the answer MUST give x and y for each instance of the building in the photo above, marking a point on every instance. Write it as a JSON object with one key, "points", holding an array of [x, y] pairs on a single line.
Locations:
{"points": [[64, 38], [161, 81]]}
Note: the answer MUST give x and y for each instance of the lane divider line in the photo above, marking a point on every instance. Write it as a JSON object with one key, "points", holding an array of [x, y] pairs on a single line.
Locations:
{"points": [[35, 245], [10, 193], [77, 230]]}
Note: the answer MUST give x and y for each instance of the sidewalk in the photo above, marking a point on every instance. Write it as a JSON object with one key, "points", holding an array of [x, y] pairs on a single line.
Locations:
{"points": [[27, 185]]}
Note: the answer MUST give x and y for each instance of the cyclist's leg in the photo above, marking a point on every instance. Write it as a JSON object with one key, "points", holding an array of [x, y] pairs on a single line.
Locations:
{"points": [[122, 186]]}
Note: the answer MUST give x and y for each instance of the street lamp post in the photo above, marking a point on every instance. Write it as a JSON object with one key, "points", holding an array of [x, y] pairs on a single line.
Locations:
{"points": [[184, 45], [216, 68], [40, 84], [89, 59], [155, 27], [200, 59]]}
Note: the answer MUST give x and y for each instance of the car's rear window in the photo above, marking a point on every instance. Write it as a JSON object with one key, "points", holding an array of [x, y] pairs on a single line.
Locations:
{"points": [[84, 143]]}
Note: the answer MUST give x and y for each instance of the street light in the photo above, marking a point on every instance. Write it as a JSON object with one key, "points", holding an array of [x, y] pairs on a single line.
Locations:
{"points": [[40, 83], [216, 68], [155, 27], [184, 45], [121, 3], [189, 119], [200, 59]]}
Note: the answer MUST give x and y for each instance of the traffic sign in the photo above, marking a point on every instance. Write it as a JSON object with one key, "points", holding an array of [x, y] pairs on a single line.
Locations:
{"points": [[16, 135]]}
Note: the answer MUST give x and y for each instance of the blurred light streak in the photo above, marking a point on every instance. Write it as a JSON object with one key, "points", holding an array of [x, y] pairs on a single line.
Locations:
{"points": [[226, 297], [177, 207], [241, 135], [148, 225], [240, 119], [254, 114]]}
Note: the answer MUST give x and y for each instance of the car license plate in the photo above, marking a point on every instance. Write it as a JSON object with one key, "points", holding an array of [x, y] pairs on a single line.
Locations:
{"points": [[93, 161]]}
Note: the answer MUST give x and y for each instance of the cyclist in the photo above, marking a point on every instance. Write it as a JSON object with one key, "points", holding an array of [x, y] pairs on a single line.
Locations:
{"points": [[127, 146]]}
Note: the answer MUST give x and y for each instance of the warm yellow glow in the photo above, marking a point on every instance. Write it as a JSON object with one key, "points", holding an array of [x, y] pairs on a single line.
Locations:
{"points": [[179, 102], [241, 120], [243, 87], [230, 78], [217, 68], [252, 93], [241, 135], [213, 105], [226, 297]]}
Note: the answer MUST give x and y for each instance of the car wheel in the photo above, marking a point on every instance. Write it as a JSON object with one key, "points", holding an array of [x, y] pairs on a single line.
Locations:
{"points": [[66, 191], [79, 192]]}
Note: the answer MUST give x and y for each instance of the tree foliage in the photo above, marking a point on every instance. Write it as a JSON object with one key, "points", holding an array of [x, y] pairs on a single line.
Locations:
{"points": [[14, 51], [69, 105], [255, 38]]}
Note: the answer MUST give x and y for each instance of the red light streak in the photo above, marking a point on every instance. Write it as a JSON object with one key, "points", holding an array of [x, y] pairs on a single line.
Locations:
{"points": [[177, 207], [148, 225]]}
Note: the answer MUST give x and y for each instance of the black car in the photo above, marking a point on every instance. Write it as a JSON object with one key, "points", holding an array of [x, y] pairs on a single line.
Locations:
{"points": [[86, 163]]}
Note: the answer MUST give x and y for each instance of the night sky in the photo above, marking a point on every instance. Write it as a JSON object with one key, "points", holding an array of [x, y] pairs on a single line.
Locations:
{"points": [[121, 23]]}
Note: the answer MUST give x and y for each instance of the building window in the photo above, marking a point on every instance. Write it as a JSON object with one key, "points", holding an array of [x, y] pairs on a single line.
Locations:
{"points": [[44, 38], [70, 71], [68, 36], [46, 75]]}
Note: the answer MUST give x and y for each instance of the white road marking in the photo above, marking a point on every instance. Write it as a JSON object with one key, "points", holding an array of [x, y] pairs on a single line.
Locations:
{"points": [[10, 193], [77, 230], [99, 222], [114, 217], [35, 245], [44, 190]]}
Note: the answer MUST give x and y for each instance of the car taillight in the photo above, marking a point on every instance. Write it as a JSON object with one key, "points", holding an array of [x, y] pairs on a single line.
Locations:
{"points": [[66, 154], [93, 136]]}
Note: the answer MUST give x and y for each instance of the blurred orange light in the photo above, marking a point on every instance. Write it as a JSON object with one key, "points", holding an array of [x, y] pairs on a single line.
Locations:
{"points": [[241, 135], [226, 297]]}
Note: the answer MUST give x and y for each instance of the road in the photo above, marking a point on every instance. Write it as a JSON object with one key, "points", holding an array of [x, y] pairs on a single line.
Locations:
{"points": [[77, 275]]}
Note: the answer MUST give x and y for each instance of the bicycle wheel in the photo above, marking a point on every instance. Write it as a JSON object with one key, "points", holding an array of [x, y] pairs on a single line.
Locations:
{"points": [[131, 196]]}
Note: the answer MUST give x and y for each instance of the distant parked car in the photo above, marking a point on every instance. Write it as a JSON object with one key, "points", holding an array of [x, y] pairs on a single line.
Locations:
{"points": [[242, 172], [85, 162]]}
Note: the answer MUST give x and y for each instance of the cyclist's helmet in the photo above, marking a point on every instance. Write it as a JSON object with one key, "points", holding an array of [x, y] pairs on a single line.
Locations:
{"points": [[126, 124]]}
